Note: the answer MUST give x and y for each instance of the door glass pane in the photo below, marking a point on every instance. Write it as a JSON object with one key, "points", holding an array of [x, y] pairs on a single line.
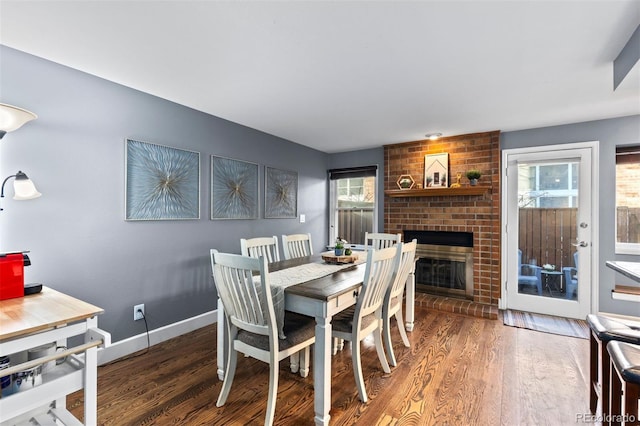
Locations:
{"points": [[547, 212], [553, 176]]}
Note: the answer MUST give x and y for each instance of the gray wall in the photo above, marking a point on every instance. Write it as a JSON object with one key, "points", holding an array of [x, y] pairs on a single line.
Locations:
{"points": [[80, 243], [612, 132]]}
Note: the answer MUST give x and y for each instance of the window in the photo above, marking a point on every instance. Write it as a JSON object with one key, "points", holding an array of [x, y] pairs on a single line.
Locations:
{"points": [[353, 203], [628, 199], [552, 185]]}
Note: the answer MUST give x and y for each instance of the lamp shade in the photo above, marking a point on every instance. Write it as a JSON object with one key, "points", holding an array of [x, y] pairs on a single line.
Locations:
{"points": [[24, 189], [12, 118]]}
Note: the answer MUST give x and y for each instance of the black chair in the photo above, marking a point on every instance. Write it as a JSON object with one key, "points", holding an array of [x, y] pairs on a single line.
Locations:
{"points": [[603, 330], [624, 389]]}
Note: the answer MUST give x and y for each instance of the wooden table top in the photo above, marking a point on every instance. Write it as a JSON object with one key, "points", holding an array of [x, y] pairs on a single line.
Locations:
{"points": [[325, 288], [41, 311]]}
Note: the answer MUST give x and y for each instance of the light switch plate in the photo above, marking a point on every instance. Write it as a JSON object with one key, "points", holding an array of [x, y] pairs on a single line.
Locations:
{"points": [[303, 218]]}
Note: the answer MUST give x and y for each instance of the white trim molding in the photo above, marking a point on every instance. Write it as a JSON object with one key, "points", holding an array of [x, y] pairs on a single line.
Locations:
{"points": [[139, 342]]}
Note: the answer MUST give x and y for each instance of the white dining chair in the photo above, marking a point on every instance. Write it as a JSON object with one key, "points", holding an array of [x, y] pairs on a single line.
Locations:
{"points": [[261, 246], [296, 245], [378, 240], [392, 304], [375, 241], [243, 286], [365, 318]]}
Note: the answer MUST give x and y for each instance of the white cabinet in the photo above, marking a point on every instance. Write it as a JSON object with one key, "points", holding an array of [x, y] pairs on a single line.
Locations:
{"points": [[41, 319]]}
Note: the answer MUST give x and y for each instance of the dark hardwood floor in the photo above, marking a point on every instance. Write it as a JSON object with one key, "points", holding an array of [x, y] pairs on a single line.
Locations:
{"points": [[459, 370]]}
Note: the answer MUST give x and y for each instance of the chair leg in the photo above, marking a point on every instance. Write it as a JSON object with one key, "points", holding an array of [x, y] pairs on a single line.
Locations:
{"points": [[386, 330], [357, 369], [294, 362], [403, 333], [273, 390], [605, 359], [232, 361], [615, 395], [304, 361], [630, 406], [593, 374], [377, 338]]}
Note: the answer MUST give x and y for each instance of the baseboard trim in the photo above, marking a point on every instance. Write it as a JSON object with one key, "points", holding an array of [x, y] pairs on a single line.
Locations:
{"points": [[136, 343]]}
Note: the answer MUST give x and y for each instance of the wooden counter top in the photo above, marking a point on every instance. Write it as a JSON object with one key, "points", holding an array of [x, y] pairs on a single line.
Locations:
{"points": [[41, 311]]}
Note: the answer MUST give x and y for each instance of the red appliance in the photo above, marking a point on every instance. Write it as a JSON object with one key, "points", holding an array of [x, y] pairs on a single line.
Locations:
{"points": [[12, 274]]}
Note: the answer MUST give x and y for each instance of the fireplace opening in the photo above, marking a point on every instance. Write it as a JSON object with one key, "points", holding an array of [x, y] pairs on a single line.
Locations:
{"points": [[445, 262]]}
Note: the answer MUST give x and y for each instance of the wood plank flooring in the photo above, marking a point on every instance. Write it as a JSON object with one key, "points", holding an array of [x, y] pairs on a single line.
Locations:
{"points": [[459, 370]]}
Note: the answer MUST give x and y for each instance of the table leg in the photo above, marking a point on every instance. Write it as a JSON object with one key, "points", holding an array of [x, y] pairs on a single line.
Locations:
{"points": [[410, 297], [222, 335], [322, 371], [90, 380]]}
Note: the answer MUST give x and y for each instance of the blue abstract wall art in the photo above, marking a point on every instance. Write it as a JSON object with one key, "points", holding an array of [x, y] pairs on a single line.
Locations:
{"points": [[281, 194], [162, 183], [234, 189]]}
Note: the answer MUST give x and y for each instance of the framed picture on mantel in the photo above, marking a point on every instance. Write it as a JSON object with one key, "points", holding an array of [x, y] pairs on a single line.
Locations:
{"points": [[436, 170]]}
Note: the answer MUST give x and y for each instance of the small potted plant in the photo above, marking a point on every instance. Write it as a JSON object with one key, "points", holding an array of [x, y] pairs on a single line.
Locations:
{"points": [[473, 176], [338, 249]]}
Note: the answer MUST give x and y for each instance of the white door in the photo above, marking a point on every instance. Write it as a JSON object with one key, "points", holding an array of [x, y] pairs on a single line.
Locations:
{"points": [[548, 209]]}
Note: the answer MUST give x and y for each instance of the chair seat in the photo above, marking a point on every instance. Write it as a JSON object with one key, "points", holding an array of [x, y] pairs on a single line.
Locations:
{"points": [[297, 328], [607, 329], [343, 321], [626, 358]]}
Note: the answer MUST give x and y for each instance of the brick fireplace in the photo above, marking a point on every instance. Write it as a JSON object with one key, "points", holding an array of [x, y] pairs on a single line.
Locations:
{"points": [[468, 209]]}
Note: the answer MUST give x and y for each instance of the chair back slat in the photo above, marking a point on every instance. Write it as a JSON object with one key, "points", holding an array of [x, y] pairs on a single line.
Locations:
{"points": [[296, 245], [243, 285], [405, 261], [378, 240], [261, 246], [377, 278]]}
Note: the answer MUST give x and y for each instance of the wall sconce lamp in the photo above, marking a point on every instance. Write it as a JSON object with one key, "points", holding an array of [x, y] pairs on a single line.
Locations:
{"points": [[12, 118], [23, 188]]}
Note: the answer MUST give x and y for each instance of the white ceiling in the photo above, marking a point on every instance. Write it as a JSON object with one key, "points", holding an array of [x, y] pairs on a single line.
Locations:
{"points": [[345, 75]]}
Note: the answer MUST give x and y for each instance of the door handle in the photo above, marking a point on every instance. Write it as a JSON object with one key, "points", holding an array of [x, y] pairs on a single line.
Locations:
{"points": [[580, 244]]}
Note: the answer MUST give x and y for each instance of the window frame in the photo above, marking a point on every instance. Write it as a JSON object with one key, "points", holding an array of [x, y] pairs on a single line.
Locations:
{"points": [[355, 172]]}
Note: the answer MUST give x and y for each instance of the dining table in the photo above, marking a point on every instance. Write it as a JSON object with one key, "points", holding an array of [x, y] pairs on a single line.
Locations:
{"points": [[319, 297]]}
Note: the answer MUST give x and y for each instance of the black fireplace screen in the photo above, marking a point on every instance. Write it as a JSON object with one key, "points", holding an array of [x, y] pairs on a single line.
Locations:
{"points": [[445, 262], [441, 273]]}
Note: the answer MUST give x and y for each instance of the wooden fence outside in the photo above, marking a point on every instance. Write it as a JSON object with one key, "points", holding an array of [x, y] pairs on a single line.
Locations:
{"points": [[628, 225], [353, 223], [546, 234]]}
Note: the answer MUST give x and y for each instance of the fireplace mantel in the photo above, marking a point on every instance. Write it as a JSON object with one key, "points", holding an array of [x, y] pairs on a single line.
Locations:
{"points": [[438, 192]]}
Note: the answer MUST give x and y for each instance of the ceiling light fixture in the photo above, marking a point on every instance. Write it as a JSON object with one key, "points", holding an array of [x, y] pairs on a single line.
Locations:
{"points": [[12, 118], [23, 187], [433, 136]]}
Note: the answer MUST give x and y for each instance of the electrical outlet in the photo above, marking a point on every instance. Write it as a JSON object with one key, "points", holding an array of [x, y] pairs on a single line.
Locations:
{"points": [[137, 315]]}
